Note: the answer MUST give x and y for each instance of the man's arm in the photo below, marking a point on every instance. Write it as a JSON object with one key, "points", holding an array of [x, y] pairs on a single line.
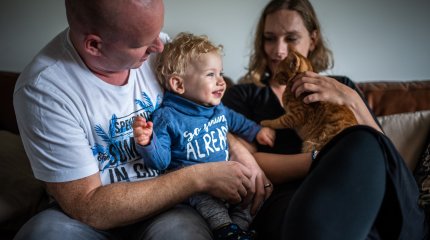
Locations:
{"points": [[258, 193], [118, 204]]}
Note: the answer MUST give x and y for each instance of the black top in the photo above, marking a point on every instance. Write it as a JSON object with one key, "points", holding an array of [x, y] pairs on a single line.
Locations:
{"points": [[260, 103]]}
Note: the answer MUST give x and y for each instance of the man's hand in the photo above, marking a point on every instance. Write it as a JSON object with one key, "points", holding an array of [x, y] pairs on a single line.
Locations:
{"points": [[258, 192], [142, 131], [266, 136], [226, 180]]}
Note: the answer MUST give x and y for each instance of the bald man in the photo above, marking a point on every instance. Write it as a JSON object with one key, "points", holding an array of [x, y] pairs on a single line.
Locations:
{"points": [[75, 105]]}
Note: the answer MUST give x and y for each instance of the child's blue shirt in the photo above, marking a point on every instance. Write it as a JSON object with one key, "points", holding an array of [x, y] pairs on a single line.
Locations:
{"points": [[186, 133]]}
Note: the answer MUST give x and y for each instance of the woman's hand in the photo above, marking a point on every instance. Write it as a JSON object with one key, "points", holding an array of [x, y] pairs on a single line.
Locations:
{"points": [[323, 88], [327, 89]]}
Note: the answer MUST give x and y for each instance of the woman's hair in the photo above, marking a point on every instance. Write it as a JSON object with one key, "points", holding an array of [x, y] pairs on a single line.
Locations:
{"points": [[179, 52], [321, 57]]}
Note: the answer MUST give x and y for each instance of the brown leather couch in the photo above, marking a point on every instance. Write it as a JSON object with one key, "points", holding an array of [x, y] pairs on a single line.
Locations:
{"points": [[21, 196], [388, 97]]}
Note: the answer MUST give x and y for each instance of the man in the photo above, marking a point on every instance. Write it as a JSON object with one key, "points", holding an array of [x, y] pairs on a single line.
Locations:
{"points": [[75, 105]]}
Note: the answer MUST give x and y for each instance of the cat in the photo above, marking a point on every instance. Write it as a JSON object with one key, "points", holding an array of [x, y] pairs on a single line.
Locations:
{"points": [[315, 123]]}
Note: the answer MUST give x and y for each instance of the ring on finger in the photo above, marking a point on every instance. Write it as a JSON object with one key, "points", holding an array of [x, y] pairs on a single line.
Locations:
{"points": [[267, 185]]}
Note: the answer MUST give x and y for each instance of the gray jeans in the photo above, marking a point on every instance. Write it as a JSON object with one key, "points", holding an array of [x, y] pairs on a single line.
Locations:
{"points": [[180, 222], [218, 213]]}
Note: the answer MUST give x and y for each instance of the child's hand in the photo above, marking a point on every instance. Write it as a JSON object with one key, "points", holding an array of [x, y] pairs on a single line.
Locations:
{"points": [[142, 131], [266, 136]]}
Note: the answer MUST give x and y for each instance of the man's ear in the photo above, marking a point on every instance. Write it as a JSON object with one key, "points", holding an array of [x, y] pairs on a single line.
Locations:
{"points": [[177, 84], [93, 44]]}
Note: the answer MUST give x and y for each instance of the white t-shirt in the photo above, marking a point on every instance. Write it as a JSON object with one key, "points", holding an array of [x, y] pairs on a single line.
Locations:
{"points": [[73, 124]]}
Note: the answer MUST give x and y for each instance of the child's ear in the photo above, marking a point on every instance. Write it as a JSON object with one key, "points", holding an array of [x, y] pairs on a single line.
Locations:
{"points": [[177, 84]]}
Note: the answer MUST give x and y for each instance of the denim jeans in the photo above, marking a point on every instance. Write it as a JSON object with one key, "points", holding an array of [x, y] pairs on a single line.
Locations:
{"points": [[180, 222]]}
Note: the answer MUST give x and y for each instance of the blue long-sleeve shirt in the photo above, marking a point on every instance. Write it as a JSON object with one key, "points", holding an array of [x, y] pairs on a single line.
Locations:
{"points": [[186, 133]]}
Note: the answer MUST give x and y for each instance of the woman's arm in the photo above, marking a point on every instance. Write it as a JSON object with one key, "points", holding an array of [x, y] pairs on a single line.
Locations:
{"points": [[281, 168], [328, 89]]}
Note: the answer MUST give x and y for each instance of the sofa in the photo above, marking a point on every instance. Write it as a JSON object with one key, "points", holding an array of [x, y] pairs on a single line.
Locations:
{"points": [[403, 109]]}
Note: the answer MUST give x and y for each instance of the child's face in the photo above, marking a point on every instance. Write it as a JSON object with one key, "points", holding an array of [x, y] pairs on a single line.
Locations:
{"points": [[203, 81]]}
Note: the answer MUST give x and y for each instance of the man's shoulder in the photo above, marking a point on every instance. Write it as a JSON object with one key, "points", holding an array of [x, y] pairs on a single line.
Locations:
{"points": [[48, 64]]}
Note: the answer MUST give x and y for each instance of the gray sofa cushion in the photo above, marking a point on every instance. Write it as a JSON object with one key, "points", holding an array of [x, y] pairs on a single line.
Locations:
{"points": [[21, 195]]}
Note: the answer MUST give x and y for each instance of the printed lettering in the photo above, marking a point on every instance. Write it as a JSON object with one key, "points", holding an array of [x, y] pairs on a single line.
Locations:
{"points": [[207, 139], [222, 139], [214, 140], [116, 152], [112, 179], [224, 130], [199, 154], [121, 175], [130, 148], [138, 168], [117, 128], [125, 125], [191, 135], [209, 143], [152, 172], [123, 151], [190, 150], [144, 172]]}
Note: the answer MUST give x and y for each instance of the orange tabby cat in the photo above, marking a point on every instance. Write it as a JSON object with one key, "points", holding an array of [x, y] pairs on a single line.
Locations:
{"points": [[316, 123]]}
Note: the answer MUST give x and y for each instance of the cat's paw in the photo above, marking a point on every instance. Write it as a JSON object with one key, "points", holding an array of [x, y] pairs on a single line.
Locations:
{"points": [[274, 123], [266, 123]]}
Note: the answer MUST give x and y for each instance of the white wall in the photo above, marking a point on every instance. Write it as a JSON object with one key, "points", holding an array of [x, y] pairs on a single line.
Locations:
{"points": [[371, 39], [25, 27], [227, 22], [378, 39]]}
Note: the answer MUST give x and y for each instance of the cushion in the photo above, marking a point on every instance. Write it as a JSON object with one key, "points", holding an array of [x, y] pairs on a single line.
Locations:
{"points": [[422, 175], [21, 195], [408, 132]]}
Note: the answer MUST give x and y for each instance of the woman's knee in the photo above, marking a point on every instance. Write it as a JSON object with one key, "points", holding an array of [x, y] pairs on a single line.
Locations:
{"points": [[356, 136], [357, 143], [353, 152]]}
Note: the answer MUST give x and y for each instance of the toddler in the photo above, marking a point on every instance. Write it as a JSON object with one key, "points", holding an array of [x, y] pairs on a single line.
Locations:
{"points": [[191, 125]]}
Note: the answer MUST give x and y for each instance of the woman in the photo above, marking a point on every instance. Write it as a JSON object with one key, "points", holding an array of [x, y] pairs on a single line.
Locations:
{"points": [[358, 186]]}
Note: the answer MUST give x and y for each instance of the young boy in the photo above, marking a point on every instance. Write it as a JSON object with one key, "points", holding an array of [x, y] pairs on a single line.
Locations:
{"points": [[191, 125]]}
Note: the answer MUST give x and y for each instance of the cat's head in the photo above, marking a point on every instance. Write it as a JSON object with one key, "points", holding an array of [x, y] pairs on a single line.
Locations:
{"points": [[292, 65]]}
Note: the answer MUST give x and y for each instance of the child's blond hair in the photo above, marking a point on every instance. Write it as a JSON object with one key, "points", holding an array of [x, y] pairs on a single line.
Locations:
{"points": [[179, 52]]}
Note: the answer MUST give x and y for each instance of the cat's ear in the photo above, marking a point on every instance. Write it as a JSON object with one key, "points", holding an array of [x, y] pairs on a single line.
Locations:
{"points": [[176, 84], [293, 61], [290, 48]]}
